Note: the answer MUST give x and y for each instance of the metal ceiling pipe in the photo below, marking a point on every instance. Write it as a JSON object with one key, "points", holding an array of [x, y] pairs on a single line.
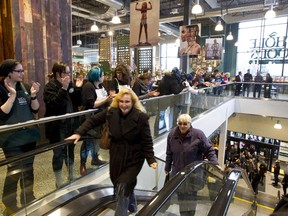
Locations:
{"points": [[112, 3], [90, 17], [216, 13]]}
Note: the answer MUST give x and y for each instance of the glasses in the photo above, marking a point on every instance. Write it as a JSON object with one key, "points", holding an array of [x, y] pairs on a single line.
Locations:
{"points": [[183, 123], [19, 71]]}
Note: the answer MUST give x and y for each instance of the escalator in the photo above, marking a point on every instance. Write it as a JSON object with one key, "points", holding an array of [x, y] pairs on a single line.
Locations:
{"points": [[201, 186]]}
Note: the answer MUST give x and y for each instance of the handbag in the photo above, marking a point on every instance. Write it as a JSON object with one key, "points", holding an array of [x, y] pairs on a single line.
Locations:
{"points": [[105, 139]]}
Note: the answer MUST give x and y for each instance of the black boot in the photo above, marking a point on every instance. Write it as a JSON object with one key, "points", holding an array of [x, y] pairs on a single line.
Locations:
{"points": [[97, 162]]}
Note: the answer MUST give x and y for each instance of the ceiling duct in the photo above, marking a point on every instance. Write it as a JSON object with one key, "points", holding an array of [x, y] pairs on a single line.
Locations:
{"points": [[270, 2], [174, 11]]}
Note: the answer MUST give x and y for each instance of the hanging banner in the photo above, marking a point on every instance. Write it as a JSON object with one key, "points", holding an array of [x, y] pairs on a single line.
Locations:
{"points": [[190, 40], [144, 23], [213, 48]]}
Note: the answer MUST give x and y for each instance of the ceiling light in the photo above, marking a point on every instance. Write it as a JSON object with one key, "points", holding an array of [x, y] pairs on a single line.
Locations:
{"points": [[174, 11], [219, 26], [116, 19], [197, 9], [110, 33], [236, 44], [278, 125], [79, 42], [94, 27], [270, 14], [230, 36]]}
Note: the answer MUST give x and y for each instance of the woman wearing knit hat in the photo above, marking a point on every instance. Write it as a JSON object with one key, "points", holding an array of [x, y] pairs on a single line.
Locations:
{"points": [[18, 103]]}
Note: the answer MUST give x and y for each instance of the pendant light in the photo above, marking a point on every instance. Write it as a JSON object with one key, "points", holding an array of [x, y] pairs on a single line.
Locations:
{"points": [[270, 14], [278, 125], [197, 9], [116, 19], [219, 26], [94, 27], [229, 36]]}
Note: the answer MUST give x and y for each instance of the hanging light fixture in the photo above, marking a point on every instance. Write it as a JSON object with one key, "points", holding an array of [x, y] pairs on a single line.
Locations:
{"points": [[278, 125], [219, 26], [230, 36], [197, 9], [116, 19], [78, 42], [270, 14], [94, 27], [110, 33]]}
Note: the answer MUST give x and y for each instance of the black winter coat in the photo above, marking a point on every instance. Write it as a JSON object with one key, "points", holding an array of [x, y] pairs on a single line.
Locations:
{"points": [[170, 85], [131, 144], [59, 102]]}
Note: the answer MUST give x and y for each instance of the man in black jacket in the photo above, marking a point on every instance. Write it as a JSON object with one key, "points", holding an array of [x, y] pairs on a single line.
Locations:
{"points": [[247, 78], [238, 78]]}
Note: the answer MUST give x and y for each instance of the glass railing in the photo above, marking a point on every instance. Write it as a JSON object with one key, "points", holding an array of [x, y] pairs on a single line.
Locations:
{"points": [[203, 189], [163, 112], [193, 190]]}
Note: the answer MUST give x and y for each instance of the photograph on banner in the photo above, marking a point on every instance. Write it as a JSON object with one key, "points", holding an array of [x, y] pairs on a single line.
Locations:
{"points": [[144, 26], [190, 40], [213, 47]]}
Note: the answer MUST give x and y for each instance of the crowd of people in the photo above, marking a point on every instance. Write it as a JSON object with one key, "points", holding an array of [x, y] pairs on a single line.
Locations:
{"points": [[117, 104], [246, 82]]}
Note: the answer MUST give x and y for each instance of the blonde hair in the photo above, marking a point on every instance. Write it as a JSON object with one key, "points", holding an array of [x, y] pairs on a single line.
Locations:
{"points": [[184, 118], [135, 100]]}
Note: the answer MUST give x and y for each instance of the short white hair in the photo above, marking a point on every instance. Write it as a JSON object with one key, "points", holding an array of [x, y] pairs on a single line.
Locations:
{"points": [[184, 117]]}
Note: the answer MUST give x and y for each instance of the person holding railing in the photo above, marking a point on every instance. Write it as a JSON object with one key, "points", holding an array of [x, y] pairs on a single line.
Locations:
{"points": [[61, 96], [94, 96], [186, 145], [131, 143], [18, 103]]}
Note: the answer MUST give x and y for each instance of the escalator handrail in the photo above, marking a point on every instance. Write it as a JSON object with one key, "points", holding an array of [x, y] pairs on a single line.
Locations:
{"points": [[152, 207], [221, 204], [224, 198]]}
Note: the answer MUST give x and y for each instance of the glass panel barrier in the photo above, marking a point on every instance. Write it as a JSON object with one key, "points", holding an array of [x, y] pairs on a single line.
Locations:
{"points": [[150, 179], [203, 189], [192, 190]]}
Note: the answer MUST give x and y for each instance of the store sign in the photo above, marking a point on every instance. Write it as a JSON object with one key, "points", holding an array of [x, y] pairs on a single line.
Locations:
{"points": [[283, 152], [269, 48]]}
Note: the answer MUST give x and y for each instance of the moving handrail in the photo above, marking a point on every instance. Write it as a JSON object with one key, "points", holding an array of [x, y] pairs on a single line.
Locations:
{"points": [[159, 200], [227, 193]]}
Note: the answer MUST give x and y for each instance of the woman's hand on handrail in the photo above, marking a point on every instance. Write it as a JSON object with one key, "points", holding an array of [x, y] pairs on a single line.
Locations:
{"points": [[75, 137]]}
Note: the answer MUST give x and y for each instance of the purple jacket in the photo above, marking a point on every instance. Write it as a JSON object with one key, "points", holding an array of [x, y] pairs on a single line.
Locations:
{"points": [[183, 151]]}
